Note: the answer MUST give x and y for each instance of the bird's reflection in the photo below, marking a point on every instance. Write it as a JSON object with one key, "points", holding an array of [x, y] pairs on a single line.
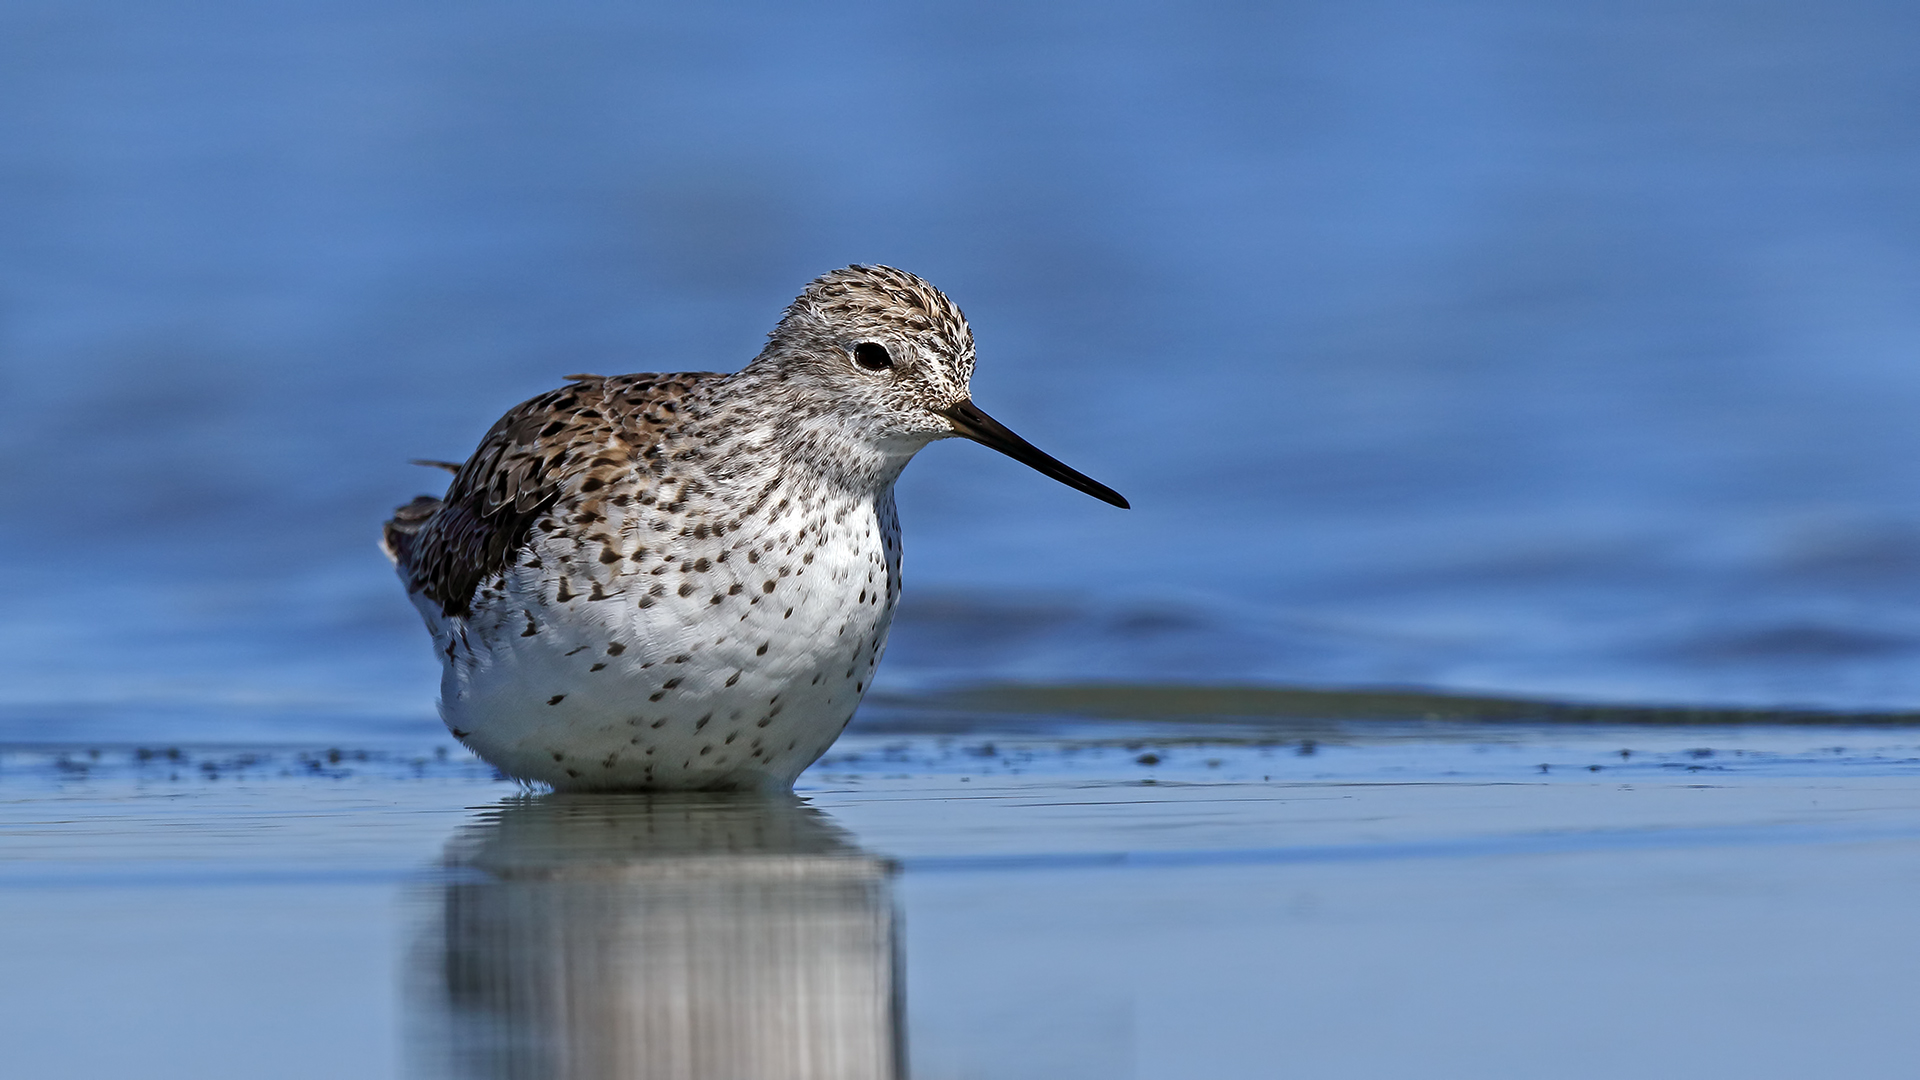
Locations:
{"points": [[691, 936]]}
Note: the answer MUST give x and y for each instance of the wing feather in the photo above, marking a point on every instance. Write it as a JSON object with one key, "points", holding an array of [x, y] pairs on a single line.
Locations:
{"points": [[542, 450]]}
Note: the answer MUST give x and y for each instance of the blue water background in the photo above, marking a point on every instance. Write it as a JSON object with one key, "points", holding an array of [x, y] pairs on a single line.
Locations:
{"points": [[1556, 349]]}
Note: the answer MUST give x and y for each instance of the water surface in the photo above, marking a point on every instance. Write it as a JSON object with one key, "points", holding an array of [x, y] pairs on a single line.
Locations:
{"points": [[1506, 348], [989, 898], [1509, 667]]}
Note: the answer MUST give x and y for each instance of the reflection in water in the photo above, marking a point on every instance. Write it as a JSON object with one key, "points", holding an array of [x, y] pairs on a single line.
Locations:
{"points": [[660, 936]]}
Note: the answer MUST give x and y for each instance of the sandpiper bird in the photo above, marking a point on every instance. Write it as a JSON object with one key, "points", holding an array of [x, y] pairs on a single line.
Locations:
{"points": [[685, 581]]}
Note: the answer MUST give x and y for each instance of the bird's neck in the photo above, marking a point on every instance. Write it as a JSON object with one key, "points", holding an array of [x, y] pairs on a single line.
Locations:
{"points": [[778, 433]]}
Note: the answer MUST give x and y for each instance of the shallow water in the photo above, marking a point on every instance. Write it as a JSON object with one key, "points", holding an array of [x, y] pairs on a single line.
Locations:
{"points": [[984, 899], [1558, 359]]}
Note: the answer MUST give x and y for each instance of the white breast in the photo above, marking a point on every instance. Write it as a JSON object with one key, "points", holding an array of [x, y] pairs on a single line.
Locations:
{"points": [[736, 666]]}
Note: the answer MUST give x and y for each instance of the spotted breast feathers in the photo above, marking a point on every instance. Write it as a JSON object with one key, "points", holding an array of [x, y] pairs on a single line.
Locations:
{"points": [[568, 443]]}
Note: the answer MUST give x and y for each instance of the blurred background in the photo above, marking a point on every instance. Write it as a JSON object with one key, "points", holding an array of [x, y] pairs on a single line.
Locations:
{"points": [[1545, 349]]}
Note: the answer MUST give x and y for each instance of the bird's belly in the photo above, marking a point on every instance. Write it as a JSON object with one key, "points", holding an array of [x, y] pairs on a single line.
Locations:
{"points": [[731, 684]]}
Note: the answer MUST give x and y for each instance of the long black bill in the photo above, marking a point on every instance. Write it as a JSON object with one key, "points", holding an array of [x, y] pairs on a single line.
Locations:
{"points": [[987, 431]]}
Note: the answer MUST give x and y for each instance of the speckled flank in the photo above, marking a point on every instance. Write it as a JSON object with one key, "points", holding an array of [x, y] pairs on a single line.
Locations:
{"points": [[685, 581]]}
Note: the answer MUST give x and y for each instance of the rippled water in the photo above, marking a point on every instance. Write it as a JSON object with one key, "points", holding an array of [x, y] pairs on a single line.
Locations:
{"points": [[1508, 668], [1504, 347], [984, 899]]}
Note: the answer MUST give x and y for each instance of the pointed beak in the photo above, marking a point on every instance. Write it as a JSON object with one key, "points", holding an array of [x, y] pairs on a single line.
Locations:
{"points": [[969, 421]]}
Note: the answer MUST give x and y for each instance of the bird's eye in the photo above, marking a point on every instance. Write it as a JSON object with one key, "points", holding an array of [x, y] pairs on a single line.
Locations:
{"points": [[872, 355]]}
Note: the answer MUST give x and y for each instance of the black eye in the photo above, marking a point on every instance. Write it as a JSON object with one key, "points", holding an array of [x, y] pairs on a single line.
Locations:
{"points": [[872, 355]]}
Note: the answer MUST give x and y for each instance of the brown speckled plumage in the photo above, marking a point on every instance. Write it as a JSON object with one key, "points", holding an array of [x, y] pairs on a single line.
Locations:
{"points": [[642, 580], [587, 442]]}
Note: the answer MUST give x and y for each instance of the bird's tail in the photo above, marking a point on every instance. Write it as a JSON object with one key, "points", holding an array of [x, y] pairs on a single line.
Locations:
{"points": [[396, 538]]}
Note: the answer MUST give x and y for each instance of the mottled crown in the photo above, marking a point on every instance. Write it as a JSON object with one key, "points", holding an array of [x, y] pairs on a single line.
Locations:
{"points": [[866, 299]]}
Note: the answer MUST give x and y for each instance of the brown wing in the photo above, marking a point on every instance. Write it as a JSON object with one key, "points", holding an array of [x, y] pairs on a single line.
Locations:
{"points": [[579, 438]]}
